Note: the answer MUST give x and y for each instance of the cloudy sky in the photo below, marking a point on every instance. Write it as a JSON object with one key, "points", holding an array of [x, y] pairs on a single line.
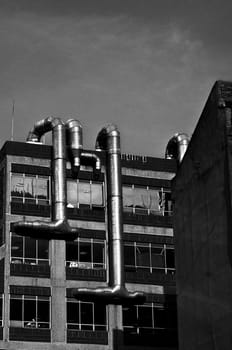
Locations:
{"points": [[145, 65]]}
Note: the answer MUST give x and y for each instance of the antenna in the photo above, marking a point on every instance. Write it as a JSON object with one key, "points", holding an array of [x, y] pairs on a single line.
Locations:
{"points": [[12, 120]]}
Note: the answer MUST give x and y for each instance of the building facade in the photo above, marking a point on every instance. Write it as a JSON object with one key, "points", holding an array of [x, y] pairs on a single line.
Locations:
{"points": [[38, 277], [202, 226]]}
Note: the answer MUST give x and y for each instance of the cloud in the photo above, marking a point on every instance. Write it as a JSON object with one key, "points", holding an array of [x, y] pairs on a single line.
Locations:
{"points": [[148, 71]]}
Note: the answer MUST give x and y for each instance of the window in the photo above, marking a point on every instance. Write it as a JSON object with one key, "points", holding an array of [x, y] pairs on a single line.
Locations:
{"points": [[86, 316], [26, 250], [32, 189], [1, 310], [84, 193], [149, 257], [144, 319], [86, 254], [29, 311], [147, 200]]}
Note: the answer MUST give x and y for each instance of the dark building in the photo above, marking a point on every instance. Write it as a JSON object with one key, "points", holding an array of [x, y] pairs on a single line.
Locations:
{"points": [[40, 278], [202, 194]]}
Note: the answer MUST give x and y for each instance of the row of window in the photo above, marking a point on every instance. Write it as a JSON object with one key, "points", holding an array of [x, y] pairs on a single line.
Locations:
{"points": [[91, 254], [35, 189], [32, 189], [150, 257], [147, 200], [35, 312], [142, 318]]}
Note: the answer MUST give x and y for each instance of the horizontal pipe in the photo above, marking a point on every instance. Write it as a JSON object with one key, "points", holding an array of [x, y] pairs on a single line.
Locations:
{"points": [[110, 295], [42, 230]]}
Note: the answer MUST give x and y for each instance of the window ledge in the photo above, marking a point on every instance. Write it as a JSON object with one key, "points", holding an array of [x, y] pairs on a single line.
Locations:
{"points": [[73, 273], [87, 337], [30, 334], [146, 277], [30, 209], [30, 270]]}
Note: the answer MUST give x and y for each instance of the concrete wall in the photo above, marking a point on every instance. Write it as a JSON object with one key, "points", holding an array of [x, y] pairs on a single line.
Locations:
{"points": [[202, 229]]}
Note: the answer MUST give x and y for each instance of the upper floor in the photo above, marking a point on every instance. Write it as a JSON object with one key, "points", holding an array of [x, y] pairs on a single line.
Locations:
{"points": [[27, 186]]}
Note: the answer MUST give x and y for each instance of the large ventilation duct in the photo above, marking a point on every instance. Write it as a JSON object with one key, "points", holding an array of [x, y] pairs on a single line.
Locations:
{"points": [[116, 293], [177, 147], [59, 227]]}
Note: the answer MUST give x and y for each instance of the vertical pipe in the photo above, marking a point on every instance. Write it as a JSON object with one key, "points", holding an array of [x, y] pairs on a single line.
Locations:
{"points": [[114, 208], [115, 293], [59, 227], [59, 173]]}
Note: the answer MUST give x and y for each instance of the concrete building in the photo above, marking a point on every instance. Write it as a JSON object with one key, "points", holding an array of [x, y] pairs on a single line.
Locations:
{"points": [[202, 227], [40, 278]]}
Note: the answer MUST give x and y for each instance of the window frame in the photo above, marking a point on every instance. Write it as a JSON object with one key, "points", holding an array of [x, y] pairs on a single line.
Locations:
{"points": [[31, 200], [92, 326], [2, 296], [86, 264], [151, 267], [27, 260], [34, 322], [76, 203], [137, 324], [163, 202]]}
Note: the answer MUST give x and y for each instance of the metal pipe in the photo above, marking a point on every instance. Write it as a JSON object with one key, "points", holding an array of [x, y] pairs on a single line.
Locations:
{"points": [[177, 147], [75, 148], [91, 158], [116, 293], [74, 143], [58, 228]]}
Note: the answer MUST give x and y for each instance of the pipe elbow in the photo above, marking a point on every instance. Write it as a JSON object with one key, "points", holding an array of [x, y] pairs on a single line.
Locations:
{"points": [[177, 147], [41, 127], [74, 143], [104, 135]]}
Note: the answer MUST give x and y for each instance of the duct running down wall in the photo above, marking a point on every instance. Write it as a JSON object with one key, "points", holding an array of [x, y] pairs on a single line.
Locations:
{"points": [[67, 139]]}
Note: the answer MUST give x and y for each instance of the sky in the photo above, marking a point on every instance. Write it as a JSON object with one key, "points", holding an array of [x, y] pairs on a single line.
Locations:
{"points": [[145, 65]]}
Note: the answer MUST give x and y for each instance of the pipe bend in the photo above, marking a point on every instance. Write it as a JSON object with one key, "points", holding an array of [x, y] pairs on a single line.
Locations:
{"points": [[177, 147], [92, 157], [41, 127], [110, 130]]}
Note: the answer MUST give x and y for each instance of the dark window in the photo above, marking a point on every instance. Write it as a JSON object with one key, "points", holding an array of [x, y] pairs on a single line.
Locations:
{"points": [[1, 310], [29, 311], [86, 254], [98, 254], [26, 250], [142, 256], [85, 316], [157, 257], [143, 319], [130, 317], [150, 257], [145, 316], [170, 258], [129, 255]]}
